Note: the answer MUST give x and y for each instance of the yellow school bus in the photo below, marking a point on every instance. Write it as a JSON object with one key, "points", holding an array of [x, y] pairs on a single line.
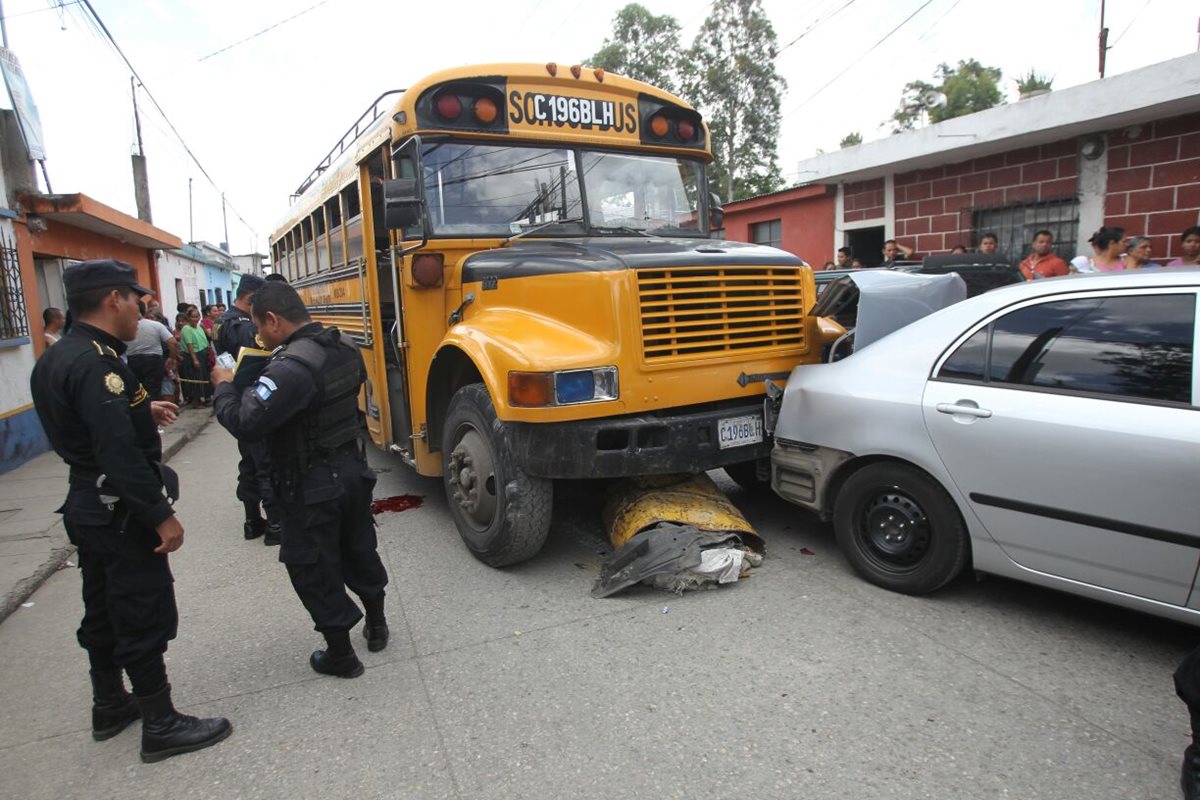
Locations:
{"points": [[523, 255]]}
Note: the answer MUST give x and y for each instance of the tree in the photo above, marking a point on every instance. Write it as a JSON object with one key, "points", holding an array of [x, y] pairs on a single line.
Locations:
{"points": [[643, 46], [850, 139], [967, 88], [733, 80]]}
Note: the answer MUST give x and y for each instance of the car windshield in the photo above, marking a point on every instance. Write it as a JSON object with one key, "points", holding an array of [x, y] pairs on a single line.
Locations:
{"points": [[500, 190]]}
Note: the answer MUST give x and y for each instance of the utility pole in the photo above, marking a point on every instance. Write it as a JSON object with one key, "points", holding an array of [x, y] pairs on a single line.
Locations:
{"points": [[1103, 39], [191, 229], [3, 28], [225, 221], [141, 178]]}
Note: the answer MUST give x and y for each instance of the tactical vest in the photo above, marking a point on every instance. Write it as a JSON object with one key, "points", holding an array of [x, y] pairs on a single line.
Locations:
{"points": [[332, 419]]}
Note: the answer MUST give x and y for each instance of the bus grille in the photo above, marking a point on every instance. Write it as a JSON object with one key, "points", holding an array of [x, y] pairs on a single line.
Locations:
{"points": [[690, 312]]}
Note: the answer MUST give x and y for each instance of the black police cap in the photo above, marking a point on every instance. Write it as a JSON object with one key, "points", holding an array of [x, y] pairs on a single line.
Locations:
{"points": [[249, 283], [102, 273]]}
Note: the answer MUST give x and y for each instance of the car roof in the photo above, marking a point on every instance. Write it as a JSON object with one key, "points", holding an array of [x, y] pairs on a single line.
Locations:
{"points": [[1121, 279], [927, 332]]}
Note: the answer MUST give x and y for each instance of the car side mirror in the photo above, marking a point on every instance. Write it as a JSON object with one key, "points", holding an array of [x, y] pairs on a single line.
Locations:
{"points": [[403, 206], [716, 214]]}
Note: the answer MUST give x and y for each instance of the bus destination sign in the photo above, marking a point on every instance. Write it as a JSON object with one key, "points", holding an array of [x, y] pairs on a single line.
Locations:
{"points": [[539, 109]]}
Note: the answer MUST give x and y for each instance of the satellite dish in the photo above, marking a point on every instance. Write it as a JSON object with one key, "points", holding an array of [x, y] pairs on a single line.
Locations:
{"points": [[933, 99]]}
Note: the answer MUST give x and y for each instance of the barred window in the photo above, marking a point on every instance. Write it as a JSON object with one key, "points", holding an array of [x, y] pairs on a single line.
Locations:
{"points": [[14, 321], [1015, 226]]}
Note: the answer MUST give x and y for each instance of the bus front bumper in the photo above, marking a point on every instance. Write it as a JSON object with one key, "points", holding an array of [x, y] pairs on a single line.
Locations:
{"points": [[643, 444]]}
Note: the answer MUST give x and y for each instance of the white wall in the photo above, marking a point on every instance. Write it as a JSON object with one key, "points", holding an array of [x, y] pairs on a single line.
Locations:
{"points": [[172, 266], [15, 365]]}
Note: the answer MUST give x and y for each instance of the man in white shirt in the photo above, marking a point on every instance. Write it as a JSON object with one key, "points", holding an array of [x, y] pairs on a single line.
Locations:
{"points": [[144, 353]]}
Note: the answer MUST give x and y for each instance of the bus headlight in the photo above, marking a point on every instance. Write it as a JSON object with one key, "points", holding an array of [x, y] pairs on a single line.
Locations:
{"points": [[567, 387]]}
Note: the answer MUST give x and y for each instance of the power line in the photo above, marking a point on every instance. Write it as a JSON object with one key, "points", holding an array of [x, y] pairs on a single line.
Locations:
{"points": [[264, 30], [816, 23], [852, 64], [947, 13], [108, 35], [54, 7], [1130, 25]]}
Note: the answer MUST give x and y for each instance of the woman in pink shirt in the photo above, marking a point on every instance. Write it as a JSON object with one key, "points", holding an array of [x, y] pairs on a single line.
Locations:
{"points": [[1109, 246], [1190, 247]]}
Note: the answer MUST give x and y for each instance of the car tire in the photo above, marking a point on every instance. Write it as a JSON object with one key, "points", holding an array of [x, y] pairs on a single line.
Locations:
{"points": [[745, 475], [502, 513], [900, 529]]}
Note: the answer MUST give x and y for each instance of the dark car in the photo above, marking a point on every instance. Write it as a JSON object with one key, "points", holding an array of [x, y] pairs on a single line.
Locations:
{"points": [[981, 272]]}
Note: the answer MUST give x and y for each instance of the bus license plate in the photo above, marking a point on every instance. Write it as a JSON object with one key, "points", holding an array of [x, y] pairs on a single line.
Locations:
{"points": [[737, 431]]}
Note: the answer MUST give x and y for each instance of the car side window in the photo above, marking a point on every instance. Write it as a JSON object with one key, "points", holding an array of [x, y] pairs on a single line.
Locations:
{"points": [[1139, 346], [969, 361]]}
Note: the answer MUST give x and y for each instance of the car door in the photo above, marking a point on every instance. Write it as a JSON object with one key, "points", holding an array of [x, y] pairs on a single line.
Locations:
{"points": [[1071, 425]]}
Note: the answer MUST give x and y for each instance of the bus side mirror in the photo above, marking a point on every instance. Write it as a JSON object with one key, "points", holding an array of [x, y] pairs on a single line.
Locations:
{"points": [[716, 214], [403, 206]]}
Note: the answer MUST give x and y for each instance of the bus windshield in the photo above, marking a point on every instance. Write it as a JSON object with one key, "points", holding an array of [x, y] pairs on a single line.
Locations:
{"points": [[502, 190]]}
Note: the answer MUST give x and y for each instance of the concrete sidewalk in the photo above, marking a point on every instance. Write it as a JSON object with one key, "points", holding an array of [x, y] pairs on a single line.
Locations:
{"points": [[33, 543]]}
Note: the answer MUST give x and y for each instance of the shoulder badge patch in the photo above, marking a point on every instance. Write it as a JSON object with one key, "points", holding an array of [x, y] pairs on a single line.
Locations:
{"points": [[113, 382]]}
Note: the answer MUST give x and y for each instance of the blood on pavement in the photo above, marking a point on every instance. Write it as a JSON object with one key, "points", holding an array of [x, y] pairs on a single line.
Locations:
{"points": [[400, 502]]}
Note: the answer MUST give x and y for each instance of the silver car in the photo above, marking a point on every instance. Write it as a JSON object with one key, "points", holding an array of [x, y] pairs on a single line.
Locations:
{"points": [[1048, 432]]}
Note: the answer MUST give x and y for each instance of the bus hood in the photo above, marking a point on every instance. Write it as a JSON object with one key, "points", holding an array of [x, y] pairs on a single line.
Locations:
{"points": [[603, 254]]}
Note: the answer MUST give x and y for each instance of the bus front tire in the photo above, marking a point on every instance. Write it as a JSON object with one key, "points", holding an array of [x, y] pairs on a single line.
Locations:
{"points": [[502, 514]]}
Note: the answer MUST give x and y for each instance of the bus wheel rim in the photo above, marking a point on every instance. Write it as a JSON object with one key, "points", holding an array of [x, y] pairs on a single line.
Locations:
{"points": [[473, 478]]}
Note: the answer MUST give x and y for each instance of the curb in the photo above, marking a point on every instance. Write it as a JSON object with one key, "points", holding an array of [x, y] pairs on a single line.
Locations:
{"points": [[59, 555]]}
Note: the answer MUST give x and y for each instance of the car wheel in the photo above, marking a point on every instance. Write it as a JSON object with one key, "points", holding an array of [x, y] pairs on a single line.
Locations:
{"points": [[900, 529], [745, 475], [502, 514]]}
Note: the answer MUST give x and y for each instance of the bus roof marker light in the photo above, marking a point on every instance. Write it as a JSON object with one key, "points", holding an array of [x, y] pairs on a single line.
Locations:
{"points": [[485, 110], [576, 70], [659, 125], [599, 73], [448, 106], [400, 117], [552, 68]]}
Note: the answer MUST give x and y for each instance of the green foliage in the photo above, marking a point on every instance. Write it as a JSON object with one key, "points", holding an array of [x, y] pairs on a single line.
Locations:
{"points": [[1033, 81], [968, 88], [643, 46], [850, 139], [733, 81]]}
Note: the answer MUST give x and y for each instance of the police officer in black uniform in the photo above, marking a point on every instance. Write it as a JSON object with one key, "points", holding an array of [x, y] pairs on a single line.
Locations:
{"points": [[236, 331], [305, 405], [1187, 686], [102, 422]]}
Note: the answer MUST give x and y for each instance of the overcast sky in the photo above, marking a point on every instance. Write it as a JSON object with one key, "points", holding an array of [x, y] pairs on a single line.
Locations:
{"points": [[260, 115]]}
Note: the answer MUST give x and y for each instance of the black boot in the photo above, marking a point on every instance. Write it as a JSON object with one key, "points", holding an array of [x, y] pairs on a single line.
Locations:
{"points": [[274, 529], [255, 524], [375, 629], [1189, 775], [166, 732], [113, 708], [339, 659]]}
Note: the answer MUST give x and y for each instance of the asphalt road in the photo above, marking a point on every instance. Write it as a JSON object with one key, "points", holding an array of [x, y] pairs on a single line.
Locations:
{"points": [[800, 682]]}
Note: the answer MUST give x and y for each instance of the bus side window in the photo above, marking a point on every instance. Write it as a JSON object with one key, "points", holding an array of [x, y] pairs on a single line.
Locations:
{"points": [[353, 224], [320, 239], [337, 239]]}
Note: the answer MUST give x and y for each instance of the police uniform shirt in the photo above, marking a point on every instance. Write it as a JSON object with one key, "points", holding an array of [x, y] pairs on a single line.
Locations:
{"points": [[285, 389], [237, 330], [98, 419]]}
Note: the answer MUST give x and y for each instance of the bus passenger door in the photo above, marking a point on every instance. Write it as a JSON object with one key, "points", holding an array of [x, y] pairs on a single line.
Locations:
{"points": [[391, 313]]}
